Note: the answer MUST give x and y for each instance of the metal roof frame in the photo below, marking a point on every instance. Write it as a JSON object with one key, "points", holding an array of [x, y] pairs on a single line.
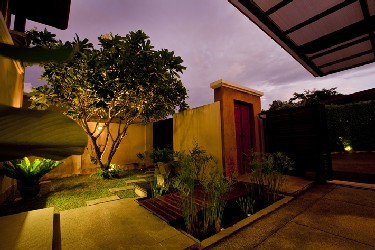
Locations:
{"points": [[324, 36]]}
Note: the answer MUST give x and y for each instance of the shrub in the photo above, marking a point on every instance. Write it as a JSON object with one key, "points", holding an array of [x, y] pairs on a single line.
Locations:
{"points": [[199, 169], [29, 172], [162, 155], [112, 172], [351, 125], [268, 172]]}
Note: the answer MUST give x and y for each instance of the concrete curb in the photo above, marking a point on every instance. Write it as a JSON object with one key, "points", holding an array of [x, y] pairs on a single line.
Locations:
{"points": [[239, 225], [353, 184]]}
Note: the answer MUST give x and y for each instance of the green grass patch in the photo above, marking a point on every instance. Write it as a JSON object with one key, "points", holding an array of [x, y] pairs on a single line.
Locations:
{"points": [[71, 192]]}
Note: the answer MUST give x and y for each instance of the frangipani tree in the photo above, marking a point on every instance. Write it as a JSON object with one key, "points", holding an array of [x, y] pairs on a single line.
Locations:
{"points": [[122, 81]]}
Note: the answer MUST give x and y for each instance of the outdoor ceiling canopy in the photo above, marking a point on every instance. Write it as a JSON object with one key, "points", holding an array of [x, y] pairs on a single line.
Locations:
{"points": [[50, 12], [325, 36]]}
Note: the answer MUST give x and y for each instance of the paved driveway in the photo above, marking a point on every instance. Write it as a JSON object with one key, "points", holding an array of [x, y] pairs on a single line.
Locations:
{"points": [[324, 217]]}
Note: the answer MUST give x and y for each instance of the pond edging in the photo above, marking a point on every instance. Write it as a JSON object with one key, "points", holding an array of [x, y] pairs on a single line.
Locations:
{"points": [[243, 223]]}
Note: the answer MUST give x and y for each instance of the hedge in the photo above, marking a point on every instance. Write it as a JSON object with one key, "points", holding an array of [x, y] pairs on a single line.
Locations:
{"points": [[351, 124]]}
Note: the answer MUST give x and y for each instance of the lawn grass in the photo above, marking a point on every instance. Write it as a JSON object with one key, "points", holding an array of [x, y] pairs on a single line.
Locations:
{"points": [[71, 192]]}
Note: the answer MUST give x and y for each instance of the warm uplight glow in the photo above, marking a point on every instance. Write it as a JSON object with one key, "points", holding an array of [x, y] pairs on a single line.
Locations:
{"points": [[348, 148]]}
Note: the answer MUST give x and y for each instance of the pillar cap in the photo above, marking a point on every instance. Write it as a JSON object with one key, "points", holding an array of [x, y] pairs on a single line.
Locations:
{"points": [[231, 85]]}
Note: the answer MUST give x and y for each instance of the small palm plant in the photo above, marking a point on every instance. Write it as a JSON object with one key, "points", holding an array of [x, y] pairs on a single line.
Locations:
{"points": [[28, 173]]}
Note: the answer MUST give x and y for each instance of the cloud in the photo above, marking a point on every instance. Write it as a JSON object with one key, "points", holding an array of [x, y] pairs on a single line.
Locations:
{"points": [[27, 87], [214, 39]]}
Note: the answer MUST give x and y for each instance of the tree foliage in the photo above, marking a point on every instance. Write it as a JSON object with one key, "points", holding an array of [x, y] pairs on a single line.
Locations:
{"points": [[122, 81], [308, 97]]}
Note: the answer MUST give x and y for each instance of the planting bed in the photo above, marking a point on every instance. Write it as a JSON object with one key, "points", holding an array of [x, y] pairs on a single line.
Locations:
{"points": [[168, 208]]}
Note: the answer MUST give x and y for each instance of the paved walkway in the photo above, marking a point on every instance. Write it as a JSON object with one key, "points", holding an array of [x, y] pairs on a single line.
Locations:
{"points": [[324, 217]]}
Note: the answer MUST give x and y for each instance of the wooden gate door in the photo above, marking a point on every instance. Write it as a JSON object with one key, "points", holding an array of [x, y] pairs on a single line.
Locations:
{"points": [[244, 127]]}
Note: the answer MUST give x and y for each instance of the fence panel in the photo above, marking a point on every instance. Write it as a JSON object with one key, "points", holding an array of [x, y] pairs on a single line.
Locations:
{"points": [[301, 133]]}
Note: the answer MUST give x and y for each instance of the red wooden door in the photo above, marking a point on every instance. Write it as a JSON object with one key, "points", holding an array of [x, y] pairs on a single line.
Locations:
{"points": [[243, 134]]}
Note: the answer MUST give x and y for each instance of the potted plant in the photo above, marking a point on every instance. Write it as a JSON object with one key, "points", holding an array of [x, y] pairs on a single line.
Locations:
{"points": [[28, 174]]}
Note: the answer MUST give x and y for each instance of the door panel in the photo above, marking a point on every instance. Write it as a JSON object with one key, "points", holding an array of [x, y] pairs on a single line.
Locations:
{"points": [[243, 134], [237, 117]]}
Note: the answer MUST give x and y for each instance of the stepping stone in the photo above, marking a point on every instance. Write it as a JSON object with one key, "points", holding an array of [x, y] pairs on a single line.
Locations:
{"points": [[142, 189], [45, 182], [102, 200], [144, 175], [133, 181], [112, 190]]}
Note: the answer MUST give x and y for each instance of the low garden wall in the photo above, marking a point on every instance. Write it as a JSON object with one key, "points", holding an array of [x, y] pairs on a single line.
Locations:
{"points": [[200, 125], [138, 139]]}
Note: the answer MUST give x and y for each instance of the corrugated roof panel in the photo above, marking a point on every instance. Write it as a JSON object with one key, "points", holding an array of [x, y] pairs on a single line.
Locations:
{"points": [[291, 14], [266, 4], [343, 53], [328, 24], [371, 6], [349, 63], [321, 35], [337, 46]]}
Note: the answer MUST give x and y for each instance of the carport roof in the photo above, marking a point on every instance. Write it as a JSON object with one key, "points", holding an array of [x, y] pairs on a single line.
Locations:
{"points": [[324, 36]]}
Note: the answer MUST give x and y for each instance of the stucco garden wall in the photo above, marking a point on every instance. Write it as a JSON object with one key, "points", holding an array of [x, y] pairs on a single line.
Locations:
{"points": [[11, 91], [201, 125], [138, 139]]}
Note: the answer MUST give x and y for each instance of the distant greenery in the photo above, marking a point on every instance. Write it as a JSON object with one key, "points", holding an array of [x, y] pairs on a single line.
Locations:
{"points": [[351, 126], [308, 97]]}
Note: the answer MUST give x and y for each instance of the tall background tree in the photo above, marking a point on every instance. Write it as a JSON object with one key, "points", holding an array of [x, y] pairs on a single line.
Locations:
{"points": [[308, 97], [122, 81]]}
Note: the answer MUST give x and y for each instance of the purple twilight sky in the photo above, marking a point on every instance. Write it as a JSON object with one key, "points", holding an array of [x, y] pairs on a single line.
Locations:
{"points": [[215, 41]]}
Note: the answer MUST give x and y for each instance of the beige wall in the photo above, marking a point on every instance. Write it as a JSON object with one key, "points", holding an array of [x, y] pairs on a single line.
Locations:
{"points": [[202, 125], [11, 91], [138, 139]]}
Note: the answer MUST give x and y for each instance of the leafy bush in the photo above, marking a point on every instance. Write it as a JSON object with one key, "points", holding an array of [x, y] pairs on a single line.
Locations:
{"points": [[268, 172], [199, 169], [216, 187], [112, 172], [351, 125], [162, 155], [28, 172]]}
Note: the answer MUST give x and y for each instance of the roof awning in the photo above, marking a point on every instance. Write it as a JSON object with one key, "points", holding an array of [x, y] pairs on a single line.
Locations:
{"points": [[324, 36], [50, 12]]}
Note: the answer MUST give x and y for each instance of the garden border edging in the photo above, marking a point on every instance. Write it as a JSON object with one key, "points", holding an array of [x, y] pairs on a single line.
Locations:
{"points": [[241, 224]]}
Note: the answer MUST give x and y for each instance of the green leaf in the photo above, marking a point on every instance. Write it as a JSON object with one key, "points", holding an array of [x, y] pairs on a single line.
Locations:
{"points": [[36, 55], [43, 133]]}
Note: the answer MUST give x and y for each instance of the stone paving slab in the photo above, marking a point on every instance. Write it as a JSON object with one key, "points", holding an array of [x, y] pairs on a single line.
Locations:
{"points": [[353, 195], [134, 181], [310, 221], [32, 230], [144, 175], [121, 224], [353, 184], [348, 220], [293, 185], [102, 200], [113, 190], [295, 236]]}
